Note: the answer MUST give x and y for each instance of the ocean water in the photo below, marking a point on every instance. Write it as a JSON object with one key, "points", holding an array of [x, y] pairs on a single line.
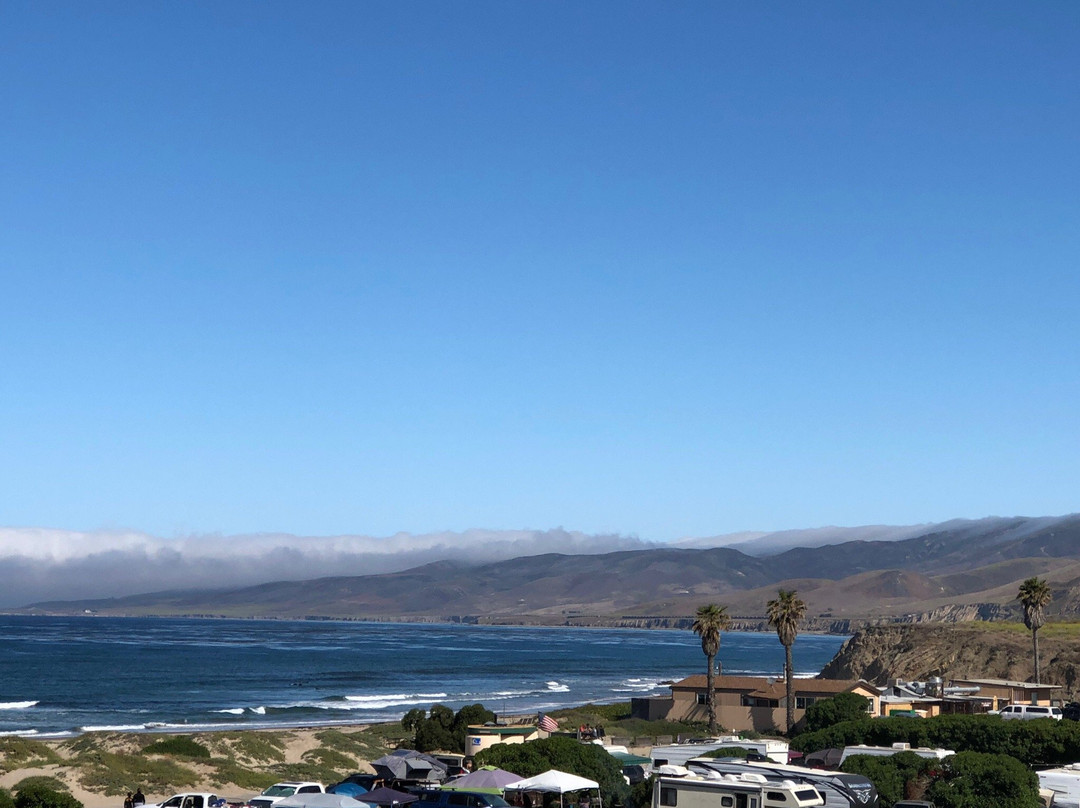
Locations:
{"points": [[67, 675]]}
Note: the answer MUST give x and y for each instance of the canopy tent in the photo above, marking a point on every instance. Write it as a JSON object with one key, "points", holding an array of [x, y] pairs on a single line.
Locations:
{"points": [[626, 759], [408, 764], [556, 782], [321, 801], [486, 779], [388, 796]]}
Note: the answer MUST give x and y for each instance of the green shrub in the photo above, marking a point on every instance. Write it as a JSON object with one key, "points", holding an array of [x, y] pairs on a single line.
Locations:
{"points": [[43, 781], [38, 795], [113, 774], [731, 751], [841, 707], [443, 730], [178, 746], [893, 775], [974, 780], [5, 799], [564, 754], [1034, 743], [21, 753]]}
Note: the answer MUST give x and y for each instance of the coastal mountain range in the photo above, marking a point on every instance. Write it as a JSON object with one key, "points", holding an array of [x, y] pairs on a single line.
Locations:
{"points": [[952, 571]]}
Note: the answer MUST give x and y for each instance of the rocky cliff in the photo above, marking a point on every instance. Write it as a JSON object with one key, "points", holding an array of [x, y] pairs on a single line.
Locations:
{"points": [[980, 650]]}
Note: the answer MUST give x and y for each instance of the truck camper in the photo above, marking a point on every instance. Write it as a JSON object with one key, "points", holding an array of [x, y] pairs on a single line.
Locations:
{"points": [[839, 789], [732, 791]]}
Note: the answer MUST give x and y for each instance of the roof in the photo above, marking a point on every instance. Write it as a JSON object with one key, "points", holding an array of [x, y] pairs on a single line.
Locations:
{"points": [[761, 685], [517, 730], [1005, 683]]}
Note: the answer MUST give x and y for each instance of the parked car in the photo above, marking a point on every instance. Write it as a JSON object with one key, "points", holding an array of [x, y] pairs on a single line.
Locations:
{"points": [[1029, 711], [458, 799], [279, 791]]}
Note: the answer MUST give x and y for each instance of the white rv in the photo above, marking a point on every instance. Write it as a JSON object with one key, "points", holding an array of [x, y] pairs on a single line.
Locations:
{"points": [[895, 749], [732, 791], [1064, 782], [840, 790], [677, 754]]}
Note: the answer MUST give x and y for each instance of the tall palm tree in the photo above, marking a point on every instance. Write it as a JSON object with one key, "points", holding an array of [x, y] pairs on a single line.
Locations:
{"points": [[785, 612], [710, 621], [1034, 595]]}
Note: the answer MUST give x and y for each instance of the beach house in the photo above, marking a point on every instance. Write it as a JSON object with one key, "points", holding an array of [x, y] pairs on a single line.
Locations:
{"points": [[747, 702]]}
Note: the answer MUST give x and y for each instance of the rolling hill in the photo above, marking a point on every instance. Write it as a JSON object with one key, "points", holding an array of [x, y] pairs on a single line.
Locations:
{"points": [[955, 570]]}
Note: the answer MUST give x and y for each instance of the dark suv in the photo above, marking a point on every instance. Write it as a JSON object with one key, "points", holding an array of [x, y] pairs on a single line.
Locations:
{"points": [[459, 799]]}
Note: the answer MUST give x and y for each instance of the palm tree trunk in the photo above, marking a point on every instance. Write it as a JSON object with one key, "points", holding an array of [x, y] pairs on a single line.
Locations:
{"points": [[710, 699], [790, 689], [1035, 643]]}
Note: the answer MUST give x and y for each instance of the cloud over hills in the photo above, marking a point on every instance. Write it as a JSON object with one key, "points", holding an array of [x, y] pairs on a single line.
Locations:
{"points": [[46, 564]]}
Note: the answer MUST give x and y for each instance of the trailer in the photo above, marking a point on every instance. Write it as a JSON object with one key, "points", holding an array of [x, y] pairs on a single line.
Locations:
{"points": [[732, 791], [839, 789]]}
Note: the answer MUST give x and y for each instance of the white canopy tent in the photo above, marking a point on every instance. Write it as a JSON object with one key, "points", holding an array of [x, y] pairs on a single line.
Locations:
{"points": [[557, 782]]}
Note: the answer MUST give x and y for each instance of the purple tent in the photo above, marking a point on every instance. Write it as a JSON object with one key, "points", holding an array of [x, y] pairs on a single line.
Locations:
{"points": [[487, 779]]}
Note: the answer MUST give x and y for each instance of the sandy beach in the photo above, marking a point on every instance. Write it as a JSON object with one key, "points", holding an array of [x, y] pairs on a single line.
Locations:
{"points": [[295, 748]]}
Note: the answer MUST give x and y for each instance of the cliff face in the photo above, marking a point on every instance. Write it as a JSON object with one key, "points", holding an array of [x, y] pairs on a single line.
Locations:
{"points": [[979, 650]]}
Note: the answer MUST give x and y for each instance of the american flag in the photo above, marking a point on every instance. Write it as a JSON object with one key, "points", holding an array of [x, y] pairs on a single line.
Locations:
{"points": [[546, 723]]}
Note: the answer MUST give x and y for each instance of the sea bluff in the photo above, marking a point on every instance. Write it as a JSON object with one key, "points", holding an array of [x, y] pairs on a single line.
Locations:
{"points": [[996, 650]]}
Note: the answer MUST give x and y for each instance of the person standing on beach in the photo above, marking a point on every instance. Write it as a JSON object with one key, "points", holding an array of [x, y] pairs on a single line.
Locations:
{"points": [[129, 801], [138, 798]]}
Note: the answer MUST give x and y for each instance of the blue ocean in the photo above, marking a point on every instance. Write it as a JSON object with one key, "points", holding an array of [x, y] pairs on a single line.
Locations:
{"points": [[66, 675]]}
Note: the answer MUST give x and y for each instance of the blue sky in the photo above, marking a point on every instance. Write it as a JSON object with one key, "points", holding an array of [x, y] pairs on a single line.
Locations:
{"points": [[662, 269]]}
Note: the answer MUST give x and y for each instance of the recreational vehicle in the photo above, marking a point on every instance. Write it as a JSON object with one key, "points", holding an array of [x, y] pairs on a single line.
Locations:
{"points": [[839, 789], [732, 791]]}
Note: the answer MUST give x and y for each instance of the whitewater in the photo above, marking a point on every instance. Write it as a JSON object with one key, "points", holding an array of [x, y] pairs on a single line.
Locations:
{"points": [[62, 676]]}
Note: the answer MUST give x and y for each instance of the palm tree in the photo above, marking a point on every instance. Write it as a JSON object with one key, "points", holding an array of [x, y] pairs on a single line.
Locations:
{"points": [[784, 615], [1034, 595], [710, 621]]}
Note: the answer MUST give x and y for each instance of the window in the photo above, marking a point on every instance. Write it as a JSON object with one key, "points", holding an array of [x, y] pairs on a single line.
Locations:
{"points": [[457, 799], [309, 790], [669, 796], [802, 702], [1040, 710], [776, 796], [727, 802], [702, 698], [807, 794]]}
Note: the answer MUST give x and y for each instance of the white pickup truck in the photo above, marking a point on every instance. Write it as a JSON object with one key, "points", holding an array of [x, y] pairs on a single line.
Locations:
{"points": [[279, 791], [189, 799]]}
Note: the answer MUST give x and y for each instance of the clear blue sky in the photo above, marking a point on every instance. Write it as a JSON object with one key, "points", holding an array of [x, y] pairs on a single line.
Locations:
{"points": [[665, 269]]}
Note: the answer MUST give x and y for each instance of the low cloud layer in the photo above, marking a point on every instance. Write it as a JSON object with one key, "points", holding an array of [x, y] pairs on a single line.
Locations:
{"points": [[38, 564]]}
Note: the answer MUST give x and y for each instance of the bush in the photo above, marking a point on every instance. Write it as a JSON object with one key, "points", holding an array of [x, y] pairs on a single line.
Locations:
{"points": [[974, 780], [896, 776], [37, 795], [841, 707], [1034, 743], [442, 730], [565, 754], [179, 746], [5, 799]]}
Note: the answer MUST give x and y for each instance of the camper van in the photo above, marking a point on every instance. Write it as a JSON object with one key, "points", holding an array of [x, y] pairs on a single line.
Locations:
{"points": [[839, 789], [731, 791]]}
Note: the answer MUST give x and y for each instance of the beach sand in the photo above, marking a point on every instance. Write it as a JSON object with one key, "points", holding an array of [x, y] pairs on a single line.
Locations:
{"points": [[298, 741]]}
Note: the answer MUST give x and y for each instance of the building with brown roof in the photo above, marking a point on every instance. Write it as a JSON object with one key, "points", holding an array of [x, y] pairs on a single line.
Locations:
{"points": [[749, 702]]}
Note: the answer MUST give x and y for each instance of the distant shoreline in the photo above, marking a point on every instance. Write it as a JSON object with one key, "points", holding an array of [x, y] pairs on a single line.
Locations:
{"points": [[758, 625]]}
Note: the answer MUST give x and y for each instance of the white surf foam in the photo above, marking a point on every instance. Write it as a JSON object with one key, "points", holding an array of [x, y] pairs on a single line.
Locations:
{"points": [[231, 711], [17, 705], [257, 710], [555, 687]]}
